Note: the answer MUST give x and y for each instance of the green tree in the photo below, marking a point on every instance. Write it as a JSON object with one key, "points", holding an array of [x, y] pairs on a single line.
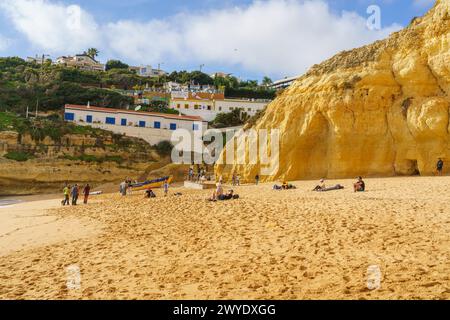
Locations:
{"points": [[93, 52], [231, 119], [226, 82], [267, 81], [116, 64], [196, 77]]}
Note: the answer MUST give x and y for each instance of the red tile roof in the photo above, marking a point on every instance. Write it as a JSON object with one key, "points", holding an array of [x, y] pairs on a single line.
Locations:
{"points": [[143, 113]]}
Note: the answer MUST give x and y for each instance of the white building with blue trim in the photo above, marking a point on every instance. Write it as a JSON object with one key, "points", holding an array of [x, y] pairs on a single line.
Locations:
{"points": [[150, 126]]}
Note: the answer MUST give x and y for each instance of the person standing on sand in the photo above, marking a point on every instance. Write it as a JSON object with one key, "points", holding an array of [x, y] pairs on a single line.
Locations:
{"points": [[191, 174], [74, 194], [233, 179], [166, 188], [123, 188], [440, 167], [257, 179], [129, 189], [66, 192], [86, 193]]}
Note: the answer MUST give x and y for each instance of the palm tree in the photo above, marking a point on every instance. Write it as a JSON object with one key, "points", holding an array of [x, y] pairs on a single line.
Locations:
{"points": [[267, 81], [93, 52]]}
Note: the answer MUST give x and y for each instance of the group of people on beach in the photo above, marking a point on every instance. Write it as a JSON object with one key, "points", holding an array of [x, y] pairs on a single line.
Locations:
{"points": [[284, 186], [125, 187], [236, 179], [150, 194], [219, 194], [73, 193], [200, 177]]}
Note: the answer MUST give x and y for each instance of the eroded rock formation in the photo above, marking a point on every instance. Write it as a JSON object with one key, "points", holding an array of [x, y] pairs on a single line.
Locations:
{"points": [[380, 110]]}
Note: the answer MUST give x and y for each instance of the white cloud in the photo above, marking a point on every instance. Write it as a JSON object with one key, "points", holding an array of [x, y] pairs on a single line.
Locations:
{"points": [[52, 26], [277, 37]]}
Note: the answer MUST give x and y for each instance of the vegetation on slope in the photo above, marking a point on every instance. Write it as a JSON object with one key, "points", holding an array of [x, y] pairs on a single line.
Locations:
{"points": [[57, 130]]}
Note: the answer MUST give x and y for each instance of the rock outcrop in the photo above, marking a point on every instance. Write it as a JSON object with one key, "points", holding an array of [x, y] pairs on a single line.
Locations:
{"points": [[380, 110], [55, 163]]}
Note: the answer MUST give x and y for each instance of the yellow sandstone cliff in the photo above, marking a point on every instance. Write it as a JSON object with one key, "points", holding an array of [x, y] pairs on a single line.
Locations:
{"points": [[379, 110]]}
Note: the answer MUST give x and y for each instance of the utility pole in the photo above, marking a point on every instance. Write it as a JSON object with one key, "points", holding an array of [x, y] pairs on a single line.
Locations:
{"points": [[42, 69], [159, 70]]}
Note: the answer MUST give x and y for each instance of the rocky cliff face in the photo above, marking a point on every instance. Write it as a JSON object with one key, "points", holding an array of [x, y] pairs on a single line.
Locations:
{"points": [[379, 110], [56, 163]]}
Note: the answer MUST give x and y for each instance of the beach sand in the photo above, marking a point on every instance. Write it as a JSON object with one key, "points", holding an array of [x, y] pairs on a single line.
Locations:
{"points": [[294, 244]]}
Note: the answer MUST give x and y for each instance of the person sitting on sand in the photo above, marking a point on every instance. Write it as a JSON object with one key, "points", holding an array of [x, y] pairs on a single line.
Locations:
{"points": [[149, 193], [217, 193], [360, 185], [228, 196], [285, 185], [321, 186]]}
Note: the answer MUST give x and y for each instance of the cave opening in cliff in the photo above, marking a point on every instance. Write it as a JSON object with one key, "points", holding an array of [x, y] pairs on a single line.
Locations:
{"points": [[413, 168]]}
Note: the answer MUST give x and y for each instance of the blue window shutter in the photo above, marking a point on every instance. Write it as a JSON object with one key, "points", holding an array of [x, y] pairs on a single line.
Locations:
{"points": [[68, 116], [89, 119], [123, 122], [173, 126], [110, 120], [142, 124], [157, 125]]}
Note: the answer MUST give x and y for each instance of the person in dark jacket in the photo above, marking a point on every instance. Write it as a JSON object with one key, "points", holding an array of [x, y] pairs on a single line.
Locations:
{"points": [[86, 193], [74, 193], [440, 166]]}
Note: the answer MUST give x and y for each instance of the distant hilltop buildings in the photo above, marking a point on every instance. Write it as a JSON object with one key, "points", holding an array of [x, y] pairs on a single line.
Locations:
{"points": [[283, 83], [82, 62], [88, 63], [148, 71]]}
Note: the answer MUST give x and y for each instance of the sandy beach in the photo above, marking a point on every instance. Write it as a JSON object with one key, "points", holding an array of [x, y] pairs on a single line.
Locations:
{"points": [[294, 244]]}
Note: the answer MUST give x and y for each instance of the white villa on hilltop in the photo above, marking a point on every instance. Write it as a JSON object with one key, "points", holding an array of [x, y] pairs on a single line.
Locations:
{"points": [[150, 126], [82, 62]]}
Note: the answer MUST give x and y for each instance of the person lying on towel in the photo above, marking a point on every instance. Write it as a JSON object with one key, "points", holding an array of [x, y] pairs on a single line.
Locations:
{"points": [[228, 196]]}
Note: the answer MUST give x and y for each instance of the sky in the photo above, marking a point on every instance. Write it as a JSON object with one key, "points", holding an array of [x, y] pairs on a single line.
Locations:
{"points": [[247, 38]]}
